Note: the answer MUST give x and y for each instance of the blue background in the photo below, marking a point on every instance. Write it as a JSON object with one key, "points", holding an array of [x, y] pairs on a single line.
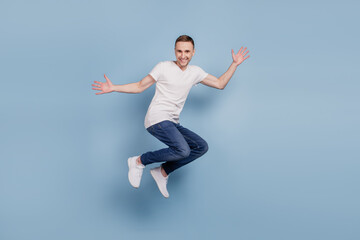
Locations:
{"points": [[282, 160]]}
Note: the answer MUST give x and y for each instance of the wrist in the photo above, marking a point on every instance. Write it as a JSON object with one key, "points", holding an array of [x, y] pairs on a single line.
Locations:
{"points": [[113, 88], [235, 64]]}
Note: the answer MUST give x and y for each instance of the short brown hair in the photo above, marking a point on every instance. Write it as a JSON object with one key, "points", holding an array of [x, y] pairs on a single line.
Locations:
{"points": [[185, 38]]}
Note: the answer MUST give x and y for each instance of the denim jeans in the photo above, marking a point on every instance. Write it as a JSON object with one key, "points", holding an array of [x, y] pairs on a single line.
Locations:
{"points": [[184, 146]]}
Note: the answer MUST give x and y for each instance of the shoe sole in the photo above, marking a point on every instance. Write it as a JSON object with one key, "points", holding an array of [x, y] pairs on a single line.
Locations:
{"points": [[129, 175], [151, 171]]}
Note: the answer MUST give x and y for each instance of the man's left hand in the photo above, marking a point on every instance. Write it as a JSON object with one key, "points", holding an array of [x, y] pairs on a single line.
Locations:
{"points": [[240, 56]]}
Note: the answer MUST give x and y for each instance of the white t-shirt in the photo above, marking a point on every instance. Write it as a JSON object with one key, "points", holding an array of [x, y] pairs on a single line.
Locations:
{"points": [[172, 88]]}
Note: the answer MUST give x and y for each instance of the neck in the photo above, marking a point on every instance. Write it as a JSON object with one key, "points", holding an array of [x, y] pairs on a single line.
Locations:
{"points": [[181, 67]]}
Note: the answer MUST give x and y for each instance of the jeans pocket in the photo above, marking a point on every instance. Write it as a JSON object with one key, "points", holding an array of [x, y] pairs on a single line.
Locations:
{"points": [[160, 126], [150, 129], [165, 124]]}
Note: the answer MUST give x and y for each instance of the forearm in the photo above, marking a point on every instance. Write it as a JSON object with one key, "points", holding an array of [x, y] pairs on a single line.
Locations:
{"points": [[225, 78], [127, 88]]}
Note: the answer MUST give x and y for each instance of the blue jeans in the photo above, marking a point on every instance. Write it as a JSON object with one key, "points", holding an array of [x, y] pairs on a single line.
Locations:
{"points": [[184, 146]]}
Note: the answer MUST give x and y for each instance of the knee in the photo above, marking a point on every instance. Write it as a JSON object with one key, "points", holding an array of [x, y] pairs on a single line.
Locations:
{"points": [[184, 151], [204, 147]]}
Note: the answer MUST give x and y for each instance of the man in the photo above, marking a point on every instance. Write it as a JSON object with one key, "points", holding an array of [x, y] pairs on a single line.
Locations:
{"points": [[174, 80]]}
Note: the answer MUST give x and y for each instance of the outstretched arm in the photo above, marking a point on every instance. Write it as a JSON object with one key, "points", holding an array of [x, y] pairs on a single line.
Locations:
{"points": [[137, 87], [221, 82]]}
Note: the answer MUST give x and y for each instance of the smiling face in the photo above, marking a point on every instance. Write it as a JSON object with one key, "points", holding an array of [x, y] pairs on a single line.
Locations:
{"points": [[184, 51]]}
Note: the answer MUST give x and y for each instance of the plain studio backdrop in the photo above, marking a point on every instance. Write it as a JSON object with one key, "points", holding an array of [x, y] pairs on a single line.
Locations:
{"points": [[282, 160]]}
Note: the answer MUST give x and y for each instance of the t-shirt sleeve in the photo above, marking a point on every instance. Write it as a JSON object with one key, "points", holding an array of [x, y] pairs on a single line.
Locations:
{"points": [[201, 74], [156, 71]]}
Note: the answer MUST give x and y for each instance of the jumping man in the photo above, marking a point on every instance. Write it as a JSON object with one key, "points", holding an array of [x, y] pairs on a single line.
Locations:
{"points": [[173, 79]]}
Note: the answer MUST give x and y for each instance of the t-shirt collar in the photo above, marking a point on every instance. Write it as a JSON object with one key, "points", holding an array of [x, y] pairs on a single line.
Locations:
{"points": [[180, 68]]}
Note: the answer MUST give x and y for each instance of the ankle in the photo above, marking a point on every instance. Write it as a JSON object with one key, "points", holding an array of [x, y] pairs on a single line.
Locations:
{"points": [[138, 161], [163, 172]]}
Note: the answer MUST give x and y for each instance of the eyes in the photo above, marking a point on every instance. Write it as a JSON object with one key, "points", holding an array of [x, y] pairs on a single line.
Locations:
{"points": [[186, 51]]}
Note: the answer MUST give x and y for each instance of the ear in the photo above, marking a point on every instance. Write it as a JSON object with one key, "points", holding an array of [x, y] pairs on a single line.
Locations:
{"points": [[194, 52]]}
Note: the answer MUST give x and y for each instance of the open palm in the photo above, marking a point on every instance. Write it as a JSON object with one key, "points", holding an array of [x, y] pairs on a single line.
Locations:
{"points": [[104, 87], [240, 56]]}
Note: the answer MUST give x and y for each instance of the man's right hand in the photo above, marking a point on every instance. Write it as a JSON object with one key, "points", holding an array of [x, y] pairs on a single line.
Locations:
{"points": [[104, 87]]}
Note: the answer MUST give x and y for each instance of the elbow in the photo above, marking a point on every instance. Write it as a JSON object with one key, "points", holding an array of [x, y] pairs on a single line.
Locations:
{"points": [[139, 88], [221, 87]]}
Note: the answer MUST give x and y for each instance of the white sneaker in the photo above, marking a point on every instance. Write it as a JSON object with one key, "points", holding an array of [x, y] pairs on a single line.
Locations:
{"points": [[160, 180], [135, 172]]}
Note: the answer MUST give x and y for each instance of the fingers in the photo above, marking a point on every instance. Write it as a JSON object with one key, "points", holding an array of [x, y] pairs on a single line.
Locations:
{"points": [[242, 53], [242, 50], [97, 85], [107, 80]]}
